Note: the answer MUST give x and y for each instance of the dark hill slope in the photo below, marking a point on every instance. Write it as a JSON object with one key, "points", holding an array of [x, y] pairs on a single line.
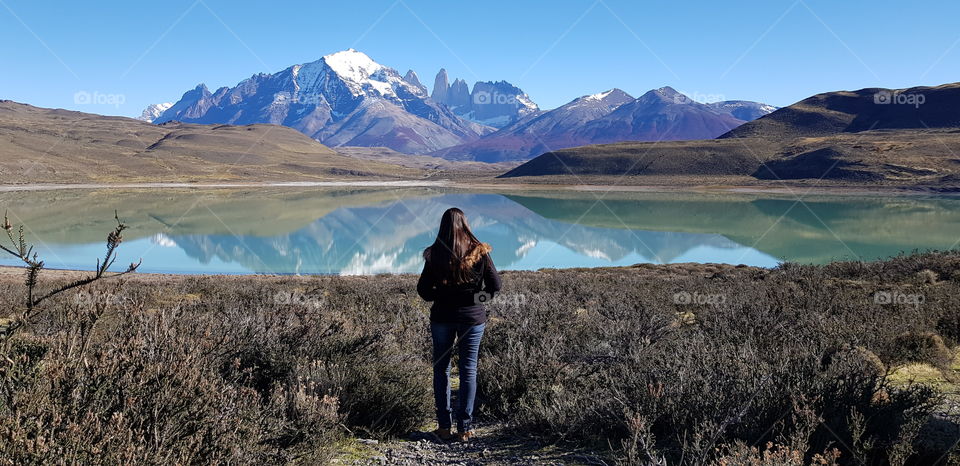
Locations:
{"points": [[845, 137], [855, 111]]}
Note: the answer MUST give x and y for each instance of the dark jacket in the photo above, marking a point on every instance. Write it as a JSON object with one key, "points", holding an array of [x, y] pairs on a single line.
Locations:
{"points": [[461, 303]]}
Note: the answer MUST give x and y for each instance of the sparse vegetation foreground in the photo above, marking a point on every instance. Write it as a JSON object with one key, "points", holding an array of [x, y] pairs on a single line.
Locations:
{"points": [[676, 364]]}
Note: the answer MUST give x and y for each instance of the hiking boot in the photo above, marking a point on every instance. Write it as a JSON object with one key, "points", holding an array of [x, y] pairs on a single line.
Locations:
{"points": [[443, 434], [465, 437]]}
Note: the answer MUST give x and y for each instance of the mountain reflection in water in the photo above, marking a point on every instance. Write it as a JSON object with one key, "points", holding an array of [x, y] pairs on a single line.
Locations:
{"points": [[369, 231]]}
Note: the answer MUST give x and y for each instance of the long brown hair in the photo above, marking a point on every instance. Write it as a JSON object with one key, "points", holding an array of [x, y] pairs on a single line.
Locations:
{"points": [[453, 254]]}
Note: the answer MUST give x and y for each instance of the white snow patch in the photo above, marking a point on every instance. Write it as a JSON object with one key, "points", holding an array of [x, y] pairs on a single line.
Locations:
{"points": [[522, 250], [351, 64], [596, 254], [363, 263], [163, 241], [598, 96], [385, 89], [153, 111], [296, 73]]}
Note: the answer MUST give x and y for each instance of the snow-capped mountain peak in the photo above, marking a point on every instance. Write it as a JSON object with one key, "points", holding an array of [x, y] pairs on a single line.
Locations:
{"points": [[492, 103], [153, 111], [352, 64], [614, 96], [742, 109], [363, 76], [344, 98], [348, 99]]}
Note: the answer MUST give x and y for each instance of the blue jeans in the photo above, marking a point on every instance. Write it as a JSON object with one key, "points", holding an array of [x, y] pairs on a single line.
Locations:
{"points": [[468, 344]]}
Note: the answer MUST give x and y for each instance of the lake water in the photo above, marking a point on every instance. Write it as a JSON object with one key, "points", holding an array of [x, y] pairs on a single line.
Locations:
{"points": [[368, 231]]}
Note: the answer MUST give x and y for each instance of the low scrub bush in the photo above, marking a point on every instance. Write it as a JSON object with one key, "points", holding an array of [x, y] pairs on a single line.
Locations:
{"points": [[786, 366], [207, 371], [922, 347], [650, 364]]}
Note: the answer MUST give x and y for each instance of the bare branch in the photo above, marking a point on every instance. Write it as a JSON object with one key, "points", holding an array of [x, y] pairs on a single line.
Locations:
{"points": [[19, 248], [88, 280]]}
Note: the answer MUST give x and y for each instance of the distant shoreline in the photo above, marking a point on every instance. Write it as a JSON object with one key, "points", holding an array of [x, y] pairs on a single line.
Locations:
{"points": [[290, 184], [13, 274], [657, 186]]}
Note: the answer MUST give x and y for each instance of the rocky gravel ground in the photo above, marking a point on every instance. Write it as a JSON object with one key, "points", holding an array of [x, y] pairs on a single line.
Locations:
{"points": [[942, 430]]}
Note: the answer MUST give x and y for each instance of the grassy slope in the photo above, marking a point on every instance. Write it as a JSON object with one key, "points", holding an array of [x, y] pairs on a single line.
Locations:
{"points": [[426, 162], [39, 145]]}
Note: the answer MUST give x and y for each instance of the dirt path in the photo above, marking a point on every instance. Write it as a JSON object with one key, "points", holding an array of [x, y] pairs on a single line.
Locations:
{"points": [[494, 444]]}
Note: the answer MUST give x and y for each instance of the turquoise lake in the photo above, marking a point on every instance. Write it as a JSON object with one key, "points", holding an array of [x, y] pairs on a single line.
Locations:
{"points": [[370, 231]]}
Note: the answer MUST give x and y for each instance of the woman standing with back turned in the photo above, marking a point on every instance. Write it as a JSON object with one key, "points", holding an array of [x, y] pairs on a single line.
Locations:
{"points": [[458, 276]]}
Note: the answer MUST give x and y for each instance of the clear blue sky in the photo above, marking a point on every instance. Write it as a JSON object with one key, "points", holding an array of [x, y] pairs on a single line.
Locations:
{"points": [[133, 53]]}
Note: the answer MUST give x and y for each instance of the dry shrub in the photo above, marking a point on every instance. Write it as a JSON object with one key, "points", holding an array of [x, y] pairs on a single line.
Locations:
{"points": [[928, 277], [921, 347], [591, 352], [741, 454], [276, 370], [855, 359], [236, 376]]}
